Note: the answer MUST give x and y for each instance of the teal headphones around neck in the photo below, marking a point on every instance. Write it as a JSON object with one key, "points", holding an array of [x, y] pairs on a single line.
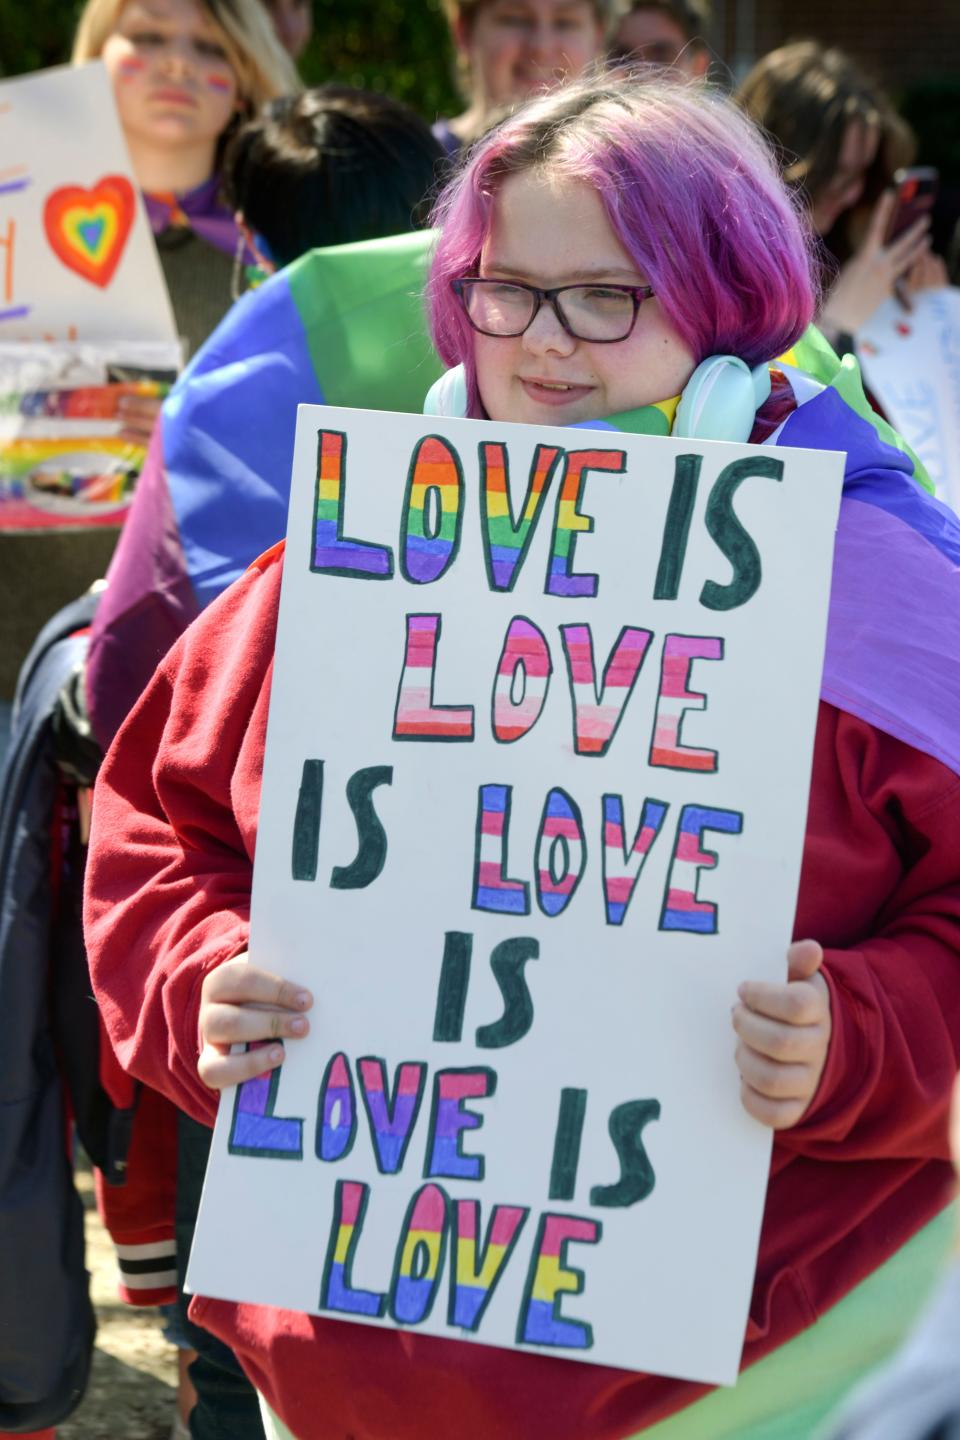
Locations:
{"points": [[719, 402]]}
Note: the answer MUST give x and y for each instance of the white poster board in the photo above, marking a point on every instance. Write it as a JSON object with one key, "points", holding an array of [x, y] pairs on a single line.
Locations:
{"points": [[517, 1117], [77, 258], [911, 362]]}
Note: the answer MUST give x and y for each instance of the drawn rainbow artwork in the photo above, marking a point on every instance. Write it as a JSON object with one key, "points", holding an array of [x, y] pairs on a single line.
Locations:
{"points": [[621, 868], [561, 833], [679, 652], [507, 539], [682, 910], [421, 1257], [88, 229], [550, 1278], [477, 1266], [598, 712], [431, 539], [525, 659]]}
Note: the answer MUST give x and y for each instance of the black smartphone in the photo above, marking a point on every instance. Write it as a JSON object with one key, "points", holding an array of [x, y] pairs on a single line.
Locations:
{"points": [[916, 191]]}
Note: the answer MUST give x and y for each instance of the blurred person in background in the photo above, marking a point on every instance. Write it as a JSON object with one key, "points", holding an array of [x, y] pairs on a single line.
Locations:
{"points": [[329, 167], [842, 141], [665, 32], [508, 50], [293, 22], [185, 74]]}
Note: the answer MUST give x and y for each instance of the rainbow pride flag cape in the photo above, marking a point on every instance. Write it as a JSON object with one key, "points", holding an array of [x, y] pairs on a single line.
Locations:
{"points": [[342, 326]]}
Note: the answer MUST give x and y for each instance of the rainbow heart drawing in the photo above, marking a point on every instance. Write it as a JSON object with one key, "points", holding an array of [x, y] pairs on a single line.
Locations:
{"points": [[88, 229]]}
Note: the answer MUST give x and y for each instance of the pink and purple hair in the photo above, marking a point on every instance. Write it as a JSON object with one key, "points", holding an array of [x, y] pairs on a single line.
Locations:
{"points": [[691, 191]]}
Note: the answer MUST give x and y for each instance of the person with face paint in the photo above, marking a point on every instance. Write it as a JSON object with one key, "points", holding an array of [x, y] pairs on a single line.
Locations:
{"points": [[508, 50], [184, 74], [842, 142], [605, 254]]}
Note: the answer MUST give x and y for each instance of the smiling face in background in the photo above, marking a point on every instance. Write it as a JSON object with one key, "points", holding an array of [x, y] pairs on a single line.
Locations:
{"points": [[651, 36], [174, 84], [515, 48], [549, 231]]}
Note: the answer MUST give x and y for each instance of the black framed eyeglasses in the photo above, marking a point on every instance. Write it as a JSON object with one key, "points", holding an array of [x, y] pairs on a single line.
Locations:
{"points": [[601, 314]]}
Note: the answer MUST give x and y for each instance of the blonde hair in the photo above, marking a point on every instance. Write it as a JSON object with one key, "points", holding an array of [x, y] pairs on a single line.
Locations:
{"points": [[263, 68]]}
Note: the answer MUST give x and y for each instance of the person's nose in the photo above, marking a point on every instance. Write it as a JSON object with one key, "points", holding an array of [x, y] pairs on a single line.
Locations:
{"points": [[178, 59], [545, 335], [543, 46]]}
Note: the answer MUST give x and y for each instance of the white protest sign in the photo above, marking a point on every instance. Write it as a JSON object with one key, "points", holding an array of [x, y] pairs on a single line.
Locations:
{"points": [[533, 805], [911, 362], [77, 259]]}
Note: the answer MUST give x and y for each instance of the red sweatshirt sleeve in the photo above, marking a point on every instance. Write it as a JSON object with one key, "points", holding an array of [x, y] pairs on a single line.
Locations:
{"points": [[883, 856], [174, 824]]}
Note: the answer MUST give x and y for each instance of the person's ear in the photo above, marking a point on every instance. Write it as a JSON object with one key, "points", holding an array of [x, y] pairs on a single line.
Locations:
{"points": [[700, 62]]}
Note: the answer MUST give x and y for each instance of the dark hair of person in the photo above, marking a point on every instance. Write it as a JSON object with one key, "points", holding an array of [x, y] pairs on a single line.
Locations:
{"points": [[805, 96], [330, 166]]}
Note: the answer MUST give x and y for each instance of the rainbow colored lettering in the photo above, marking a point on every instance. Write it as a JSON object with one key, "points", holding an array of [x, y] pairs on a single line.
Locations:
{"points": [[448, 1121], [597, 715], [333, 553], [549, 1278], [681, 908], [525, 656], [419, 1264], [475, 1272], [491, 888], [561, 852], [569, 522], [679, 653], [416, 717], [255, 1129], [337, 1111], [391, 1124], [336, 1290], [622, 867], [431, 543], [506, 541]]}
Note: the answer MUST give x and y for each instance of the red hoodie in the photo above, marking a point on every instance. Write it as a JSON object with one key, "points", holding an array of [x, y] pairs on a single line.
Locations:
{"points": [[169, 877]]}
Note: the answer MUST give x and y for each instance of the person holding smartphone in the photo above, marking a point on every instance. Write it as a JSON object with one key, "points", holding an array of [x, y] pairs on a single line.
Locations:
{"points": [[842, 143]]}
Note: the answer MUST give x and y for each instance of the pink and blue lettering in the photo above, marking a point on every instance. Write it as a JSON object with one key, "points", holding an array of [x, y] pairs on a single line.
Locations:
{"points": [[337, 1111], [391, 1123], [492, 890], [623, 865], [420, 1254], [336, 1290], [255, 1130], [561, 852], [451, 1088], [476, 1267], [550, 1278], [682, 910]]}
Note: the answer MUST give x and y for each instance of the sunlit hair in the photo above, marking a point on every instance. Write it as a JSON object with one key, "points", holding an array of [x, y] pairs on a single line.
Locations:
{"points": [[690, 190], [263, 68]]}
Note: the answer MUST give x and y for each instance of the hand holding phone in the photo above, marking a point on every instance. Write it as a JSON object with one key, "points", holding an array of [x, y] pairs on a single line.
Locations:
{"points": [[916, 191]]}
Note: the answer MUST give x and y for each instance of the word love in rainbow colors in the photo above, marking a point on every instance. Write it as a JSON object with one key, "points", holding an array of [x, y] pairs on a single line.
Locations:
{"points": [[435, 1223], [88, 229], [431, 520]]}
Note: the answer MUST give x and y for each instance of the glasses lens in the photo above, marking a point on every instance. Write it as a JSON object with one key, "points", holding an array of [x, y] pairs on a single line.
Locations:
{"points": [[597, 312], [498, 309]]}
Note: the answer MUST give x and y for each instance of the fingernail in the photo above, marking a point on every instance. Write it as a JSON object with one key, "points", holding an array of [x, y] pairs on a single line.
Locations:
{"points": [[298, 1026], [303, 998], [275, 1054]]}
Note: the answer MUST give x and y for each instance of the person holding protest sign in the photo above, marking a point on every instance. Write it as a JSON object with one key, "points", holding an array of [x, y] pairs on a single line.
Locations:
{"points": [[507, 50], [617, 257], [842, 142], [185, 72]]}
